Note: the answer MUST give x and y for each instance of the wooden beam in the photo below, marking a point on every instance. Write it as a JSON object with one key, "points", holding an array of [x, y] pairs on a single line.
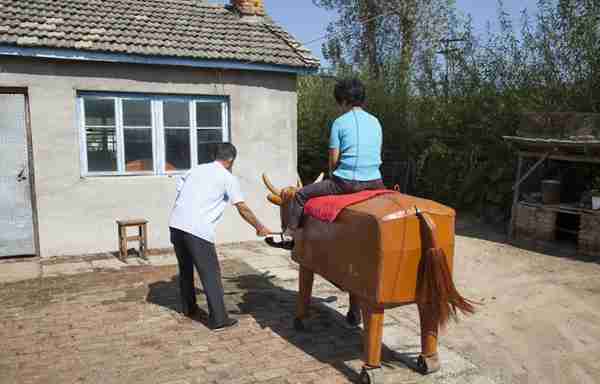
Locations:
{"points": [[513, 213], [571, 158], [530, 171], [569, 231], [554, 143], [562, 208]]}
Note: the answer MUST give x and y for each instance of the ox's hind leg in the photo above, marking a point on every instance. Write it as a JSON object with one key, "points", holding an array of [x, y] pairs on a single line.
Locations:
{"points": [[429, 361], [306, 284], [353, 317], [372, 372]]}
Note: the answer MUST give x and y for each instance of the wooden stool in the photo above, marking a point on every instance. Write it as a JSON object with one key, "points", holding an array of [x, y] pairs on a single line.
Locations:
{"points": [[142, 236]]}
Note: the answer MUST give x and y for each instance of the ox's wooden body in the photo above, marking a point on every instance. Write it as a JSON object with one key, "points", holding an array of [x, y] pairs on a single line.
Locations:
{"points": [[387, 251], [373, 251]]}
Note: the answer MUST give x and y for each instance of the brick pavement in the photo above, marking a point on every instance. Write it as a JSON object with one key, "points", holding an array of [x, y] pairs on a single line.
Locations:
{"points": [[101, 321]]}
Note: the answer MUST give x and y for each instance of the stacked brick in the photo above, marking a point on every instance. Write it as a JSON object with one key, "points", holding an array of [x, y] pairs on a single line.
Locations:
{"points": [[250, 7], [535, 223], [589, 235]]}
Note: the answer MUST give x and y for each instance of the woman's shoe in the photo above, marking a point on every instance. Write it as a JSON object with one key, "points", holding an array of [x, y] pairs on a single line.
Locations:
{"points": [[283, 244], [353, 318]]}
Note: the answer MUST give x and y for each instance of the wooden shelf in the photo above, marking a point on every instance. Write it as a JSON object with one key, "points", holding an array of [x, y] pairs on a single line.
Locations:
{"points": [[562, 208]]}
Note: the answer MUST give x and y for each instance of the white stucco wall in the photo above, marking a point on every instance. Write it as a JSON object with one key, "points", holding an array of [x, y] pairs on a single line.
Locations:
{"points": [[77, 215]]}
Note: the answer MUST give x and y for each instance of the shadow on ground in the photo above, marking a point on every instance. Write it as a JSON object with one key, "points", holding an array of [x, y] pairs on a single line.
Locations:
{"points": [[166, 294], [249, 292]]}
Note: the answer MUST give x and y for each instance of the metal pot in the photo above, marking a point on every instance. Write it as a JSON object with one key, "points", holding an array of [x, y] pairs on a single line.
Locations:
{"points": [[551, 191]]}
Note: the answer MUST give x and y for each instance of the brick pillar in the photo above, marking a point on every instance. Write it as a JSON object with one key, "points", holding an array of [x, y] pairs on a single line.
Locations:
{"points": [[589, 235], [535, 223], [525, 222], [546, 221], [249, 7]]}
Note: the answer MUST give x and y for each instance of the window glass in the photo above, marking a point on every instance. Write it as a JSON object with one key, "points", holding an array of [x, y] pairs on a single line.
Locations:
{"points": [[137, 113], [177, 149], [209, 115], [210, 135], [138, 150], [101, 149], [134, 122], [206, 152], [99, 112], [207, 140], [176, 113]]}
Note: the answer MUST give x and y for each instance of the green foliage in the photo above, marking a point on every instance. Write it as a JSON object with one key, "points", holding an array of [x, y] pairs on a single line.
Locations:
{"points": [[452, 117], [316, 112]]}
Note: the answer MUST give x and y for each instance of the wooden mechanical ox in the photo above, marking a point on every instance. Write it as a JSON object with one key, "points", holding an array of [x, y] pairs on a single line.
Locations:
{"points": [[387, 251]]}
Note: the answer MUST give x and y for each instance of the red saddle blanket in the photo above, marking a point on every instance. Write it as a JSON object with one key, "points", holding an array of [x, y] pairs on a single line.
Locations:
{"points": [[327, 208]]}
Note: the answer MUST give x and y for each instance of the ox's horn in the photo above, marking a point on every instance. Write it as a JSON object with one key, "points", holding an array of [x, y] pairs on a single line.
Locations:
{"points": [[270, 186], [320, 178], [299, 182], [274, 199]]}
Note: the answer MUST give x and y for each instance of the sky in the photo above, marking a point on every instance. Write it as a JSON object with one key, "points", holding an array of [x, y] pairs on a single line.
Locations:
{"points": [[307, 22]]}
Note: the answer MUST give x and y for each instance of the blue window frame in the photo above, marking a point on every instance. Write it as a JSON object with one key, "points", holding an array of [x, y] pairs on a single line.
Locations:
{"points": [[137, 134]]}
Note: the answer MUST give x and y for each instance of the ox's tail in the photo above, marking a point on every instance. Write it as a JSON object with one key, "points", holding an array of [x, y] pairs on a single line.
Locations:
{"points": [[435, 286]]}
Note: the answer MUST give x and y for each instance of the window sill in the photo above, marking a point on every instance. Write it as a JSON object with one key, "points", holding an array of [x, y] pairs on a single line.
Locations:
{"points": [[133, 175]]}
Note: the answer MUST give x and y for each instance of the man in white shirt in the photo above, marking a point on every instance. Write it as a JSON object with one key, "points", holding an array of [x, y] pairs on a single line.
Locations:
{"points": [[202, 195]]}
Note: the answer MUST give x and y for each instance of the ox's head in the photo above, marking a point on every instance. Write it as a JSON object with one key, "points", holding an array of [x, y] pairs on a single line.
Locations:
{"points": [[282, 197]]}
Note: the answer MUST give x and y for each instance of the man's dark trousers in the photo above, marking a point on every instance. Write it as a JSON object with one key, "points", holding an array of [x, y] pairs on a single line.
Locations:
{"points": [[190, 251]]}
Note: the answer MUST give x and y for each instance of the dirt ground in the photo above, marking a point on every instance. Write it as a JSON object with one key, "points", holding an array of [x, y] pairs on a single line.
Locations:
{"points": [[100, 321], [540, 318]]}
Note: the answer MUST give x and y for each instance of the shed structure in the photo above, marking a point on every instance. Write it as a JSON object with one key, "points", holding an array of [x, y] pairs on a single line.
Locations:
{"points": [[560, 149]]}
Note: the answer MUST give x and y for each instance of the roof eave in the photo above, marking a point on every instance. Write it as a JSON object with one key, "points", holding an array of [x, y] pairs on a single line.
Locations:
{"points": [[79, 55]]}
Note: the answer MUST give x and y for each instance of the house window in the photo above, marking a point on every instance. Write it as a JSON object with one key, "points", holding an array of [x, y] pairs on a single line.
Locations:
{"points": [[137, 135]]}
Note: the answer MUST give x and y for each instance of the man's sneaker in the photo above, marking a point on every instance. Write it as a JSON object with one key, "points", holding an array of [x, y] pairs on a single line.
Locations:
{"points": [[191, 311], [229, 323]]}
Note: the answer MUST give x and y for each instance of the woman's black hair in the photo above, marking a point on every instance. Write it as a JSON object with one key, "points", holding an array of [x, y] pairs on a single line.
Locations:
{"points": [[350, 91]]}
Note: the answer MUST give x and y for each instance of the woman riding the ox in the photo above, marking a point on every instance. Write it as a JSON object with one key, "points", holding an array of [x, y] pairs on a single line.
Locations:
{"points": [[354, 161], [354, 156]]}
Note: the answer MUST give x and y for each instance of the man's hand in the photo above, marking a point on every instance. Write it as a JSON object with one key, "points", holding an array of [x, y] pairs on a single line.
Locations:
{"points": [[251, 219], [263, 231]]}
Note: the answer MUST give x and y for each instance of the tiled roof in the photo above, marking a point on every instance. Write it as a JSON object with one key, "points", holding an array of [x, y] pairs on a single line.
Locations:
{"points": [[189, 29]]}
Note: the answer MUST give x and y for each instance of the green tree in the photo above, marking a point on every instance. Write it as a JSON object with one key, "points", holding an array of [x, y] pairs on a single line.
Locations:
{"points": [[550, 62], [375, 35]]}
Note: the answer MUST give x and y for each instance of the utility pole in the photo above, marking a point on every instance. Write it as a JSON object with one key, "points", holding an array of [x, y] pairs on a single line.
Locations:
{"points": [[448, 58]]}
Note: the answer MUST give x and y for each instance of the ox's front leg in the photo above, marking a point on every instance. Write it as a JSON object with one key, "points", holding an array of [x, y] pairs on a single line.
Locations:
{"points": [[306, 280], [372, 372], [429, 361]]}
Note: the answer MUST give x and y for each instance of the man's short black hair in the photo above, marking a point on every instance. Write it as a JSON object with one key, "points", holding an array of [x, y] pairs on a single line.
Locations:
{"points": [[225, 152], [350, 91]]}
